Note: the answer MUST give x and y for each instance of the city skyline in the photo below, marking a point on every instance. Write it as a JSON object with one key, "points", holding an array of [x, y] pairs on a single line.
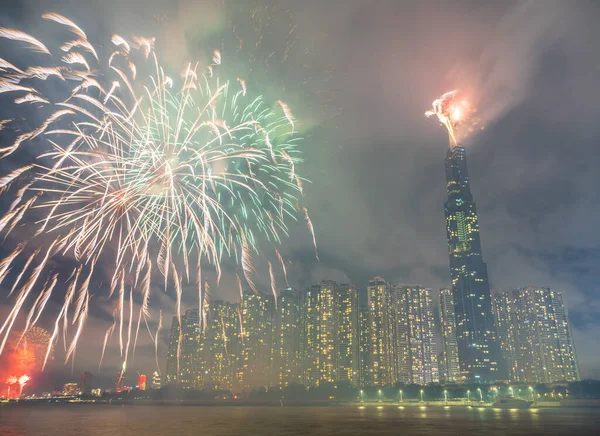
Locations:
{"points": [[377, 167], [256, 346]]}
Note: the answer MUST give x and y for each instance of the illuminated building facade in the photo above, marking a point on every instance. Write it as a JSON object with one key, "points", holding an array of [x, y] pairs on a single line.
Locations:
{"points": [[327, 332], [190, 376], [505, 311], [401, 334], [543, 342], [220, 352], [85, 386], [256, 364], [416, 350], [310, 352], [381, 332], [156, 380], [478, 350], [173, 353], [287, 341], [142, 382], [448, 364], [364, 349], [347, 325], [70, 389]]}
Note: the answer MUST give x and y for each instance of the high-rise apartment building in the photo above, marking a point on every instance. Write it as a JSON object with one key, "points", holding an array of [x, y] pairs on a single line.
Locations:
{"points": [[381, 331], [287, 339], [448, 363], [173, 353], [190, 375], [85, 386], [478, 350], [327, 332], [310, 354], [221, 346], [256, 365], [416, 349], [402, 334], [366, 373], [504, 306], [347, 324], [540, 338]]}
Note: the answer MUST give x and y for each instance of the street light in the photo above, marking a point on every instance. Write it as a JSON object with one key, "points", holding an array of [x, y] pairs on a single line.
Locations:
{"points": [[468, 395], [361, 395], [512, 392], [421, 395], [446, 396], [401, 399], [379, 395], [480, 395], [532, 393]]}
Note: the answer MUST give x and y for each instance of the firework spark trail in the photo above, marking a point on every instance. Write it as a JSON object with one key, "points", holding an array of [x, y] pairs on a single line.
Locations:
{"points": [[273, 283], [282, 267], [140, 163], [6, 262], [312, 231]]}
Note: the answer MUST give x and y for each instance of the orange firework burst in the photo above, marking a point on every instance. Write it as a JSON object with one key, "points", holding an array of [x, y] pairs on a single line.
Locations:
{"points": [[452, 110]]}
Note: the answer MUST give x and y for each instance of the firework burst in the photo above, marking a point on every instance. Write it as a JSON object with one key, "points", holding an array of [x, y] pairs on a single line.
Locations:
{"points": [[159, 173]]}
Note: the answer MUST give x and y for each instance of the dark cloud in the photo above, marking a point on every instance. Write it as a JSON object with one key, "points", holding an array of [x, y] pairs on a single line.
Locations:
{"points": [[376, 162]]}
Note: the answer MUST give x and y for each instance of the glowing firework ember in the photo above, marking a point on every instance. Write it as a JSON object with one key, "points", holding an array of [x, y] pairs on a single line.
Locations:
{"points": [[158, 173], [452, 111]]}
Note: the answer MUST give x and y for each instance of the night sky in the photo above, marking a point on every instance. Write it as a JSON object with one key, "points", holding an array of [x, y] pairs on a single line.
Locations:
{"points": [[359, 77]]}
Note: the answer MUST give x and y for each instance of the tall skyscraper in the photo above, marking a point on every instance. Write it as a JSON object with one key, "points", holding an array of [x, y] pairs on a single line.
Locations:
{"points": [[347, 326], [381, 329], [256, 364], [416, 350], [544, 351], [287, 340], [449, 366], [173, 353], [364, 350], [190, 375], [478, 350]]}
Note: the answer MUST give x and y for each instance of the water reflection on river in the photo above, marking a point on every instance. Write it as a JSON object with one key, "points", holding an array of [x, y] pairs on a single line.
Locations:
{"points": [[95, 420]]}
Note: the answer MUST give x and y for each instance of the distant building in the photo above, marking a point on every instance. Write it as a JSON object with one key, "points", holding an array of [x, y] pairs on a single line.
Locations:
{"points": [[85, 386], [142, 382], [156, 380], [310, 354], [381, 330], [544, 351], [256, 356], [347, 334], [287, 338], [449, 366], [416, 350], [507, 324], [173, 353], [221, 344], [190, 376], [70, 389], [366, 374], [327, 332]]}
